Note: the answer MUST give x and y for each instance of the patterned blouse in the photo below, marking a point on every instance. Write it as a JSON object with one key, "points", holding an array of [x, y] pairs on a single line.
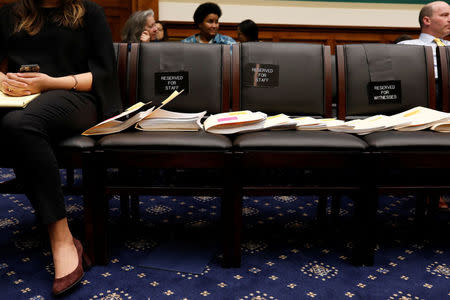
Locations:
{"points": [[218, 39]]}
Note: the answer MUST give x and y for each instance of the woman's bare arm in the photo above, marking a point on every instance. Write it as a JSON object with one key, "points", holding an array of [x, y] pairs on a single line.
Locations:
{"points": [[20, 84]]}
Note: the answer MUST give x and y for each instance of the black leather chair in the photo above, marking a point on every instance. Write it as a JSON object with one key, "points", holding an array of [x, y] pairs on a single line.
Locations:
{"points": [[315, 162], [443, 54], [208, 68], [398, 162], [69, 151]]}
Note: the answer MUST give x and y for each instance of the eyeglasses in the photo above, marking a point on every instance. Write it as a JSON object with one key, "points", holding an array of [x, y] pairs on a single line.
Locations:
{"points": [[150, 26]]}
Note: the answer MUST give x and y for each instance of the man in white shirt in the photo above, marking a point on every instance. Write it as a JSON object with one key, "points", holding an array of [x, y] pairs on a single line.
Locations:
{"points": [[434, 20]]}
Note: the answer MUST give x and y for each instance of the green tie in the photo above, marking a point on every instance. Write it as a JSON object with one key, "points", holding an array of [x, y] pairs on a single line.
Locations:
{"points": [[439, 42]]}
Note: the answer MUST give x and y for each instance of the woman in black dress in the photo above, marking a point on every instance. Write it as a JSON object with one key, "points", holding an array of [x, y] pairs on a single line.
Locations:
{"points": [[71, 42]]}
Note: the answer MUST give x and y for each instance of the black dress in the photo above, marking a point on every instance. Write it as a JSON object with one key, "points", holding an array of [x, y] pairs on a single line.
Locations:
{"points": [[27, 135]]}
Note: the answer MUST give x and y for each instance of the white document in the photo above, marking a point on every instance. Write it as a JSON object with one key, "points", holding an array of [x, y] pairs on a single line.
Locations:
{"points": [[309, 123], [370, 124], [420, 118]]}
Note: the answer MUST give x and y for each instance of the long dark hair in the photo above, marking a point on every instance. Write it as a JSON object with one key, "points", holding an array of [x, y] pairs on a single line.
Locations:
{"points": [[29, 16], [249, 29]]}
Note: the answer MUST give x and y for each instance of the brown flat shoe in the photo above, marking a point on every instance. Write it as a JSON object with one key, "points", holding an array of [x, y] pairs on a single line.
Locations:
{"points": [[66, 283]]}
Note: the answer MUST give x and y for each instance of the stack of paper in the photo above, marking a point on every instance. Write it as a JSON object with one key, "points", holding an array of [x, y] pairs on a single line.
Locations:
{"points": [[441, 127], [417, 118], [236, 121], [128, 118], [164, 120], [371, 124], [279, 122], [309, 123], [420, 118], [121, 121]]}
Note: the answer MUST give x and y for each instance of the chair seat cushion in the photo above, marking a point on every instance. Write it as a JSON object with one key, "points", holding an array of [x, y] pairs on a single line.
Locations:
{"points": [[78, 142], [299, 140], [415, 140], [198, 140]]}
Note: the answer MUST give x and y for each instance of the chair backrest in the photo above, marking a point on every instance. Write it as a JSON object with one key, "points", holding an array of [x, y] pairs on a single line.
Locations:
{"points": [[121, 52], [202, 70], [383, 79], [443, 54], [290, 78], [334, 79], [116, 49]]}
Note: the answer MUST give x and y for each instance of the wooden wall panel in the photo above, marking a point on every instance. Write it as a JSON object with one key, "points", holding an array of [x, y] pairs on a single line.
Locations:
{"points": [[328, 35], [118, 11], [146, 4]]}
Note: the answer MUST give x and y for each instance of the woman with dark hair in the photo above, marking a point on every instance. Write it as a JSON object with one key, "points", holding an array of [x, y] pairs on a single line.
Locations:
{"points": [[247, 31], [71, 42], [140, 27], [401, 38], [206, 17], [160, 34]]}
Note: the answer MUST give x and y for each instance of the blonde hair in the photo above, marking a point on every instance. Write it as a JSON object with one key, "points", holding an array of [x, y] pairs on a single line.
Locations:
{"points": [[29, 16]]}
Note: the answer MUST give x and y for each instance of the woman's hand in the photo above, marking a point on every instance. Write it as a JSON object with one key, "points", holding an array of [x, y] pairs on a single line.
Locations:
{"points": [[14, 87], [145, 36], [22, 84]]}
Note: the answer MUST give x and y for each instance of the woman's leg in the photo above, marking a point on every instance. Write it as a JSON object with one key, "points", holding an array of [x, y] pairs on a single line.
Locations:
{"points": [[30, 134], [65, 257]]}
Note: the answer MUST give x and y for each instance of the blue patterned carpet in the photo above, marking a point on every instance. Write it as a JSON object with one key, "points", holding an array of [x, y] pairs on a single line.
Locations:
{"points": [[286, 255]]}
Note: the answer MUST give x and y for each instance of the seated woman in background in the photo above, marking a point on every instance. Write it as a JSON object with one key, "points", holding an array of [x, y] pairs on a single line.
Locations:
{"points": [[71, 42], [401, 38], [139, 27], [160, 34], [206, 17], [247, 31]]}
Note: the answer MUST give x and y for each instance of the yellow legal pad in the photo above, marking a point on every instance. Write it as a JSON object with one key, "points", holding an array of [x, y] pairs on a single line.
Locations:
{"points": [[11, 101]]}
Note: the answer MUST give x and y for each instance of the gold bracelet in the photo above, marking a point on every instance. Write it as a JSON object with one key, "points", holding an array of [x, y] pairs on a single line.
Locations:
{"points": [[74, 88]]}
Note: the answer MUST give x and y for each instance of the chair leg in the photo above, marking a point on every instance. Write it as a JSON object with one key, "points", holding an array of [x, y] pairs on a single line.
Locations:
{"points": [[134, 202], [431, 220], [335, 208], [231, 216], [89, 223], [129, 205], [232, 235], [90, 194], [420, 214], [124, 207], [433, 205], [365, 215], [101, 233], [96, 210], [333, 230]]}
